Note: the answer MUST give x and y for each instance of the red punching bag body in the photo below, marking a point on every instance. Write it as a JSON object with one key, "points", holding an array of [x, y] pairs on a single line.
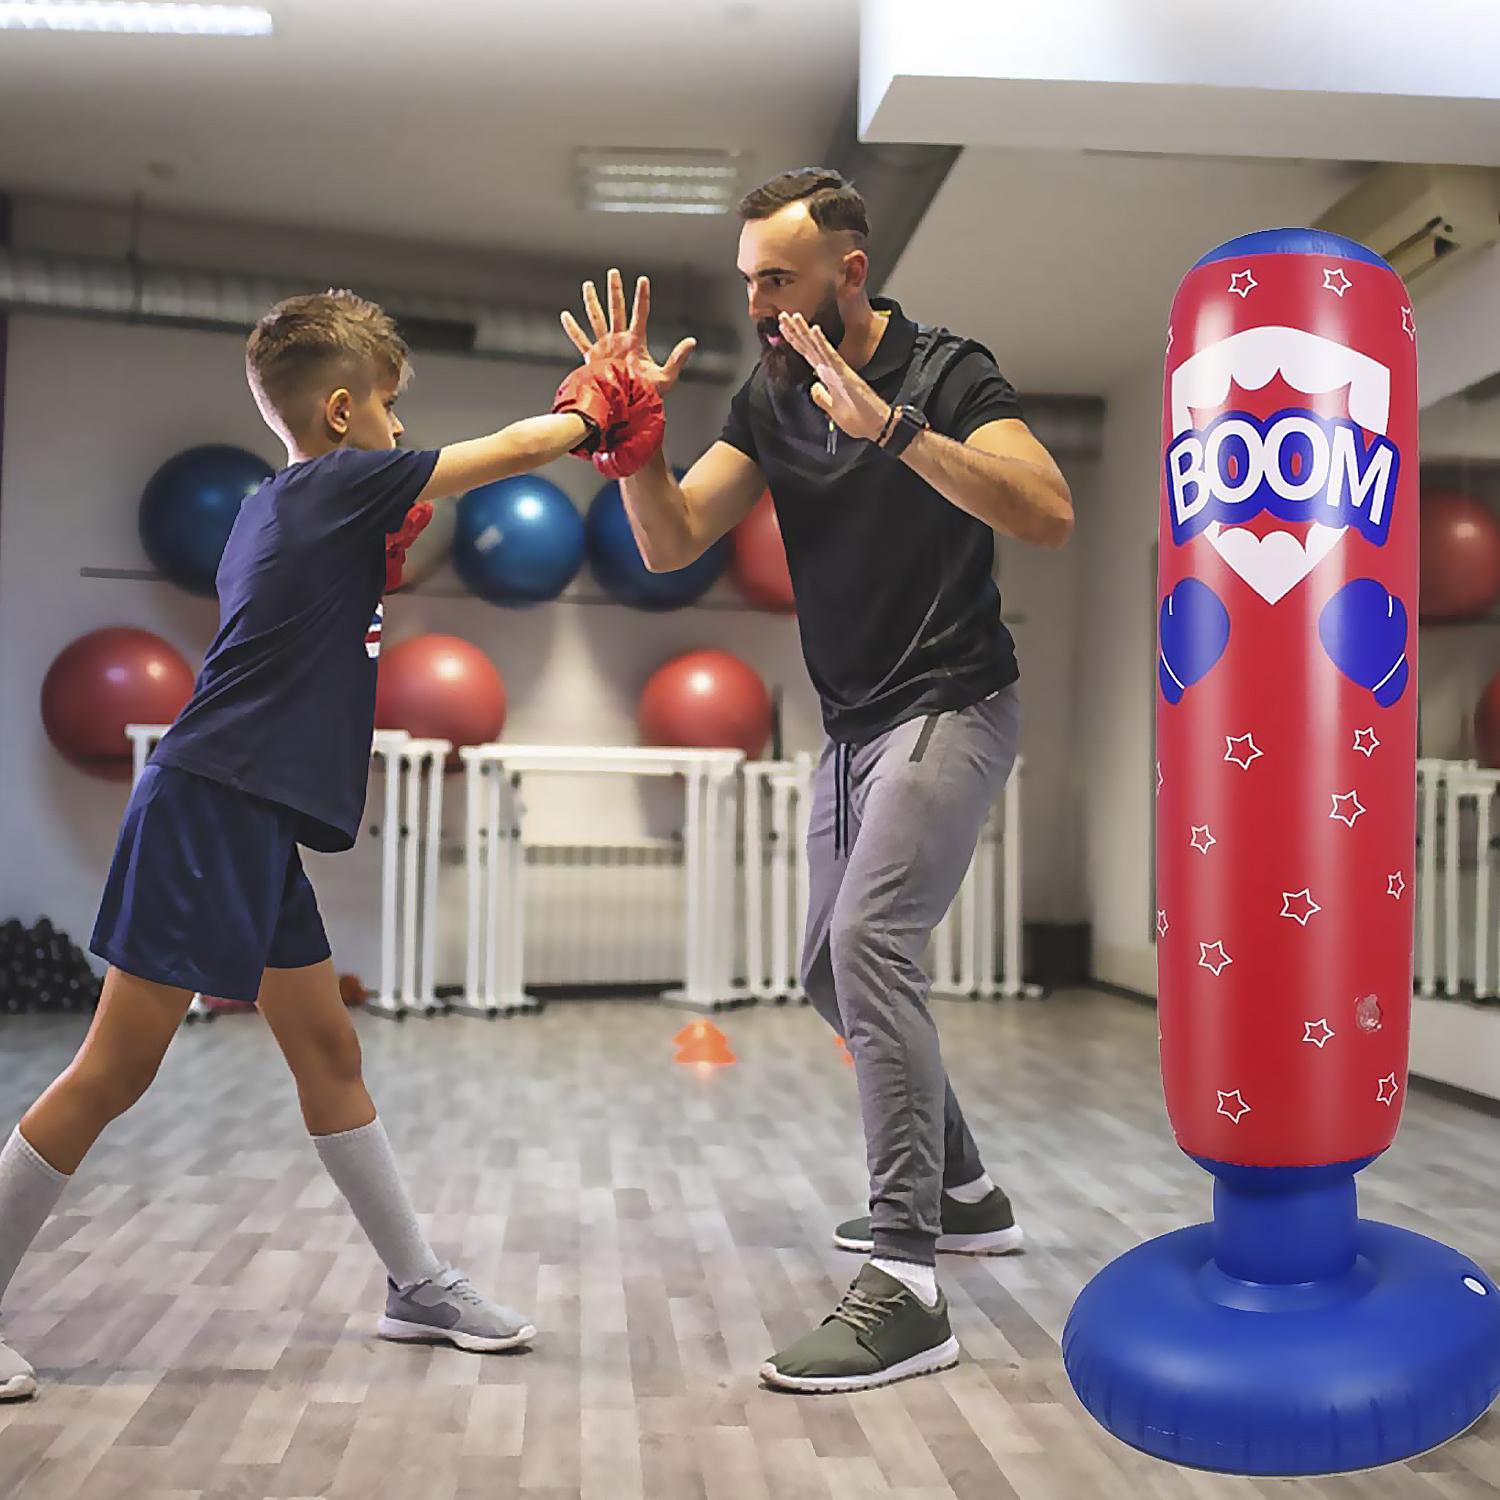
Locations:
{"points": [[1285, 802]]}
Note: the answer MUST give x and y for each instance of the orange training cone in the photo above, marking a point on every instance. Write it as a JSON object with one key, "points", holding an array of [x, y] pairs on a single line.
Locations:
{"points": [[702, 1042]]}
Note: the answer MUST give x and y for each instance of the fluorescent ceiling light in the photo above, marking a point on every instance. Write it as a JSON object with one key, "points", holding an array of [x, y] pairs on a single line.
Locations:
{"points": [[630, 206], [657, 182], [131, 17]]}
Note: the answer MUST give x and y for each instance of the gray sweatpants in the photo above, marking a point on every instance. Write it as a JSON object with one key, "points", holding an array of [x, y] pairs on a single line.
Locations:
{"points": [[894, 824]]}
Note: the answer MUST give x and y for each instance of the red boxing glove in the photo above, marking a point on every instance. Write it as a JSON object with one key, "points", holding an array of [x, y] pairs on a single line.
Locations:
{"points": [[397, 542], [626, 409]]}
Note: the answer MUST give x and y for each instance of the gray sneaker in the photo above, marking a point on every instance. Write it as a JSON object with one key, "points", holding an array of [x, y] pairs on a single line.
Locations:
{"points": [[448, 1309], [984, 1228], [17, 1378]]}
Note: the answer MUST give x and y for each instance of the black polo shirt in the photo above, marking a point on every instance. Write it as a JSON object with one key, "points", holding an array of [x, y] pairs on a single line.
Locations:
{"points": [[897, 607]]}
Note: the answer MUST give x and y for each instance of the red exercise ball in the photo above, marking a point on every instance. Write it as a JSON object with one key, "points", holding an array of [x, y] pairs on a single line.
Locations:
{"points": [[1487, 723], [439, 687], [1460, 557], [706, 700], [105, 680], [759, 565]]}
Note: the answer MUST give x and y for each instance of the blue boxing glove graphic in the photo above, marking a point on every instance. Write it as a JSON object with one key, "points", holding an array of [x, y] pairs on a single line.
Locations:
{"points": [[1193, 630], [1363, 630]]}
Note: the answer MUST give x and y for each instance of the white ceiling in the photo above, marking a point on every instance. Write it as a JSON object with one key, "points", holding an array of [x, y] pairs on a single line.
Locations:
{"points": [[444, 120], [1373, 80], [1065, 264]]}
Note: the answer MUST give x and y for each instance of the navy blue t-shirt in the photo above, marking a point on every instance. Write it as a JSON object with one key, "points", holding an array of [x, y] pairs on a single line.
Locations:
{"points": [[284, 706]]}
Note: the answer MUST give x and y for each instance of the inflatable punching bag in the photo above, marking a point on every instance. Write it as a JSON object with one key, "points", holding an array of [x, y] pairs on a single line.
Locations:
{"points": [[1288, 1336]]}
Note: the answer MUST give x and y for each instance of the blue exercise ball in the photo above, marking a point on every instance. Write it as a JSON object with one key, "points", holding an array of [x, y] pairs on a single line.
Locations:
{"points": [[519, 541], [616, 560], [188, 508]]}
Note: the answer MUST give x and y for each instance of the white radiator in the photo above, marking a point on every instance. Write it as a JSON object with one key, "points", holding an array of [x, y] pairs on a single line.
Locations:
{"points": [[604, 914]]}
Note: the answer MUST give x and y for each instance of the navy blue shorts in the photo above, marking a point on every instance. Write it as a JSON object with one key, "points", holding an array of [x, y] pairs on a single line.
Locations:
{"points": [[207, 889]]}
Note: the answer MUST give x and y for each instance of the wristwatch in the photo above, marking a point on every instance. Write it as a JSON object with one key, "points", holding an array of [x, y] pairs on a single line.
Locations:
{"points": [[908, 422]]}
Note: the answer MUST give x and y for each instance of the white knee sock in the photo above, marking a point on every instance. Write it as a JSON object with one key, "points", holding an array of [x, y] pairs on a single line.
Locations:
{"points": [[29, 1190], [972, 1192], [921, 1281], [363, 1167]]}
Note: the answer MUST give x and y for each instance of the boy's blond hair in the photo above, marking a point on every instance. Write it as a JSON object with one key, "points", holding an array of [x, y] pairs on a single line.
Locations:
{"points": [[307, 346]]}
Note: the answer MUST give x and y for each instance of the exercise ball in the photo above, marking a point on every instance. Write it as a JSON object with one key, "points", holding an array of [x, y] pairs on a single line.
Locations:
{"points": [[103, 681], [706, 700], [1460, 557], [433, 546], [519, 541], [1487, 723], [440, 687], [189, 506], [759, 567], [616, 561]]}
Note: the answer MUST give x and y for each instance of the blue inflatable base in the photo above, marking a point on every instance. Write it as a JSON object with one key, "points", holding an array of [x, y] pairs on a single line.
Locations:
{"points": [[1389, 1359]]}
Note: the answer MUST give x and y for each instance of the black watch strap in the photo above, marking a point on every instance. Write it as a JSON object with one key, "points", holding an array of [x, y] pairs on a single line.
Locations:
{"points": [[909, 422]]}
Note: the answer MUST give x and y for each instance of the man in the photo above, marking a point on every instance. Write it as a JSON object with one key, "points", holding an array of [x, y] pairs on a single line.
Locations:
{"points": [[894, 453]]}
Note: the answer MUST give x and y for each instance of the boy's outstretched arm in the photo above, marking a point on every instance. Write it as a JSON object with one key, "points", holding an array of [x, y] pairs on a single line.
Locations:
{"points": [[602, 412], [531, 443]]}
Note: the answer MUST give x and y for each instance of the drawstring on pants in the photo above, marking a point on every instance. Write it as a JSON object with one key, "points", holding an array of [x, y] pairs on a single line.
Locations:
{"points": [[843, 762]]}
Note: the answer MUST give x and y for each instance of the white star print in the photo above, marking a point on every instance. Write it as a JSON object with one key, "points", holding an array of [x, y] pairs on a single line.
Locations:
{"points": [[1239, 1108], [1408, 324], [1169, 340], [1350, 812], [1335, 281], [1309, 906], [1204, 962], [1242, 283], [1245, 756], [1161, 923], [1319, 1033], [1365, 742], [1158, 776], [1208, 838], [1395, 885], [1388, 1089]]}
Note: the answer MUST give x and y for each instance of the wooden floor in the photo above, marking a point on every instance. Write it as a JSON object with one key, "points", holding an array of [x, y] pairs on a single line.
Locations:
{"points": [[202, 1309]]}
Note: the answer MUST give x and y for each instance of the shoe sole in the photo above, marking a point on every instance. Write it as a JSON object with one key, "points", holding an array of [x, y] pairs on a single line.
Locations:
{"points": [[929, 1362], [993, 1242], [18, 1388], [423, 1333]]}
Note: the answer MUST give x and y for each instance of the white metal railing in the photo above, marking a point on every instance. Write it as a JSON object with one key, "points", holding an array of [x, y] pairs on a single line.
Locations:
{"points": [[1456, 928], [721, 916], [495, 962], [411, 850]]}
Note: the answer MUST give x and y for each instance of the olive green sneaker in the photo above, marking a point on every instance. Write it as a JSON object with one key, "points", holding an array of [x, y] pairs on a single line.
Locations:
{"points": [[17, 1378], [877, 1334], [984, 1228]]}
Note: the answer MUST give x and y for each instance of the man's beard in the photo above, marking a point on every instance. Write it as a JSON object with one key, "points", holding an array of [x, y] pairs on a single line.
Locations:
{"points": [[785, 368]]}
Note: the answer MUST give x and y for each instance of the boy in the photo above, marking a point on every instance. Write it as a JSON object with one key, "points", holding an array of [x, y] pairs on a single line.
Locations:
{"points": [[207, 891]]}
